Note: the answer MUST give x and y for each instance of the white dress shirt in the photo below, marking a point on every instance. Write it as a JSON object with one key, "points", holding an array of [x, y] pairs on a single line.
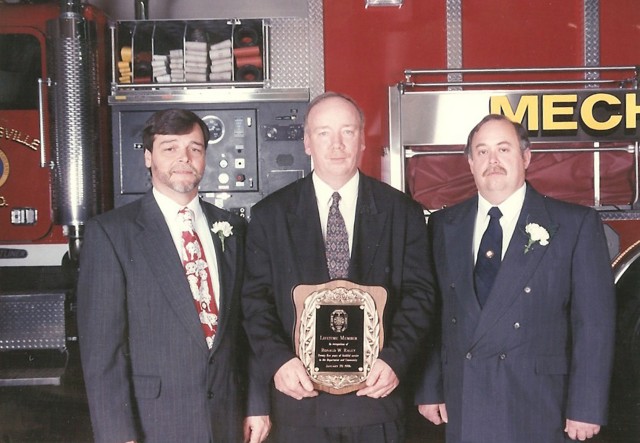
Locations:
{"points": [[510, 209], [170, 210], [347, 206]]}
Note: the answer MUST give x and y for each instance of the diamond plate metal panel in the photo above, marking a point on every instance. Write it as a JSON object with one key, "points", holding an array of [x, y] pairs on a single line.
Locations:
{"points": [[316, 46], [33, 321], [591, 37], [297, 51], [289, 53], [454, 39]]}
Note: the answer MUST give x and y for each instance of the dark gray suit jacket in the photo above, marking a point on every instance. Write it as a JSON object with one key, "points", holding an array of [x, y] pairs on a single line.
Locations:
{"points": [[148, 372], [540, 350], [285, 248]]}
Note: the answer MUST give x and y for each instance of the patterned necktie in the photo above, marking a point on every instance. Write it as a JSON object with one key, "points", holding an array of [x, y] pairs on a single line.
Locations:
{"points": [[337, 242], [197, 271], [489, 256]]}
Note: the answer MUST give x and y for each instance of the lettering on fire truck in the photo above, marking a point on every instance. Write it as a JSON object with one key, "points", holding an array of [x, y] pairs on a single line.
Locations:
{"points": [[594, 112], [19, 137]]}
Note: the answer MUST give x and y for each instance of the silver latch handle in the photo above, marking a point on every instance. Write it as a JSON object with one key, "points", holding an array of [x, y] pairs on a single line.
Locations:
{"points": [[43, 149]]}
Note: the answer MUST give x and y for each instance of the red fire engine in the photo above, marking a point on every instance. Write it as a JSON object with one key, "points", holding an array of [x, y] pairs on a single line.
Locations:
{"points": [[422, 71]]}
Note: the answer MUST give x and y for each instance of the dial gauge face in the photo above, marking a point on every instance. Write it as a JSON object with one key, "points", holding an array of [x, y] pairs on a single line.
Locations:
{"points": [[216, 128]]}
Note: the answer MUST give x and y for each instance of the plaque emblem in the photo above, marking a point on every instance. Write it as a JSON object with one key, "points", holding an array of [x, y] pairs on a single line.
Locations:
{"points": [[339, 332], [339, 320]]}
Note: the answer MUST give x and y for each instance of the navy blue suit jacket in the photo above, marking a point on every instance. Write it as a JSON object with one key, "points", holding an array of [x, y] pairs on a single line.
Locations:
{"points": [[540, 350]]}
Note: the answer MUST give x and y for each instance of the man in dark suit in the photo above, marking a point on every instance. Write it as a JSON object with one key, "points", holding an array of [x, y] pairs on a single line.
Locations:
{"points": [[158, 313], [530, 360], [286, 247]]}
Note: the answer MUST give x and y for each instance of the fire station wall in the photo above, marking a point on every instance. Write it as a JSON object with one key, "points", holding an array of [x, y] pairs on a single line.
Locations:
{"points": [[367, 49]]}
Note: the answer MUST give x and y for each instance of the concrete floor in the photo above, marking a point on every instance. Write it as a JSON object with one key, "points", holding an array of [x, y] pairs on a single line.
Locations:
{"points": [[59, 414]]}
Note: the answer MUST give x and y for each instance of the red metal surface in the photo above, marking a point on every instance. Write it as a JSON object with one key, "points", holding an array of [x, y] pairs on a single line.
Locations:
{"points": [[366, 50], [26, 184]]}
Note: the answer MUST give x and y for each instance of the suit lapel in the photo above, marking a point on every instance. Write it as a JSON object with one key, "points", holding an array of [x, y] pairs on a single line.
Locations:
{"points": [[306, 236], [156, 242], [226, 261], [369, 226], [517, 266], [458, 231]]}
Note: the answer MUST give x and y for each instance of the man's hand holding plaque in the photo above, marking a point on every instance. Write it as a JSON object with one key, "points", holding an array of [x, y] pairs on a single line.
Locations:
{"points": [[338, 336], [380, 382], [292, 379]]}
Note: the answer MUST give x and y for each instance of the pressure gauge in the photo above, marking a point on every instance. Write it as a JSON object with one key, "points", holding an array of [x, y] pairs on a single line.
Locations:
{"points": [[216, 128]]}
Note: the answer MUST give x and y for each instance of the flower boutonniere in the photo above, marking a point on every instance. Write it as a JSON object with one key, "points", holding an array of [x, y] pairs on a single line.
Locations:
{"points": [[537, 234], [223, 229]]}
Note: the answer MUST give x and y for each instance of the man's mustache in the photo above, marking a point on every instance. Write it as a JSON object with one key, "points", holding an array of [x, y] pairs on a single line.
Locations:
{"points": [[493, 170], [183, 168]]}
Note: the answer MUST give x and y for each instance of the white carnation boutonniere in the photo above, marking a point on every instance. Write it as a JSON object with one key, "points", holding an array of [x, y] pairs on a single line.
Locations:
{"points": [[223, 229], [537, 234]]}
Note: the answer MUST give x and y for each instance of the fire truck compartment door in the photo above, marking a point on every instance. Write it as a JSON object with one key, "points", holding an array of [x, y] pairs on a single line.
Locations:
{"points": [[25, 197]]}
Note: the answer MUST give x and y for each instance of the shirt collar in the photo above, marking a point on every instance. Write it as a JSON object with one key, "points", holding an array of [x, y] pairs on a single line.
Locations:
{"points": [[324, 192], [170, 208], [510, 208]]}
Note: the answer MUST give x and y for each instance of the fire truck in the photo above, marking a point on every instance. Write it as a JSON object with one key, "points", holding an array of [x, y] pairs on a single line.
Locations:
{"points": [[78, 80]]}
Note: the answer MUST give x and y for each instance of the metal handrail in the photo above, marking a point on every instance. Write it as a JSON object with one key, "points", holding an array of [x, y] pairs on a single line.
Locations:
{"points": [[588, 70]]}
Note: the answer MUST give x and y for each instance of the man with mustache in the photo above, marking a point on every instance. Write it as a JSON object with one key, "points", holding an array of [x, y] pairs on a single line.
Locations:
{"points": [[158, 304], [527, 306]]}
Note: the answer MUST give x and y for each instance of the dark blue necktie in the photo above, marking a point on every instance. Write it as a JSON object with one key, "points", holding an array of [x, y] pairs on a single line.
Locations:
{"points": [[489, 256]]}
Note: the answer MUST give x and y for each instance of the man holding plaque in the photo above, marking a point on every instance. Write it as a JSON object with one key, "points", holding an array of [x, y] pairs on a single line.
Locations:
{"points": [[379, 240]]}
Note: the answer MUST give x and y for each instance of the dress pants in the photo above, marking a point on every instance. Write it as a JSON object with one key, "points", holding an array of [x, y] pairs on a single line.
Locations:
{"points": [[390, 432]]}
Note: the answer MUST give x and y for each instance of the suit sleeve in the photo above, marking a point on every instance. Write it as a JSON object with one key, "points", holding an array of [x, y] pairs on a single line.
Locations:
{"points": [[415, 309], [261, 320], [102, 324], [430, 389], [592, 324]]}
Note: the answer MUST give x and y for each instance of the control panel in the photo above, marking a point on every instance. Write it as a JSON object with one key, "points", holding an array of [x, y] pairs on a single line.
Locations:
{"points": [[254, 148]]}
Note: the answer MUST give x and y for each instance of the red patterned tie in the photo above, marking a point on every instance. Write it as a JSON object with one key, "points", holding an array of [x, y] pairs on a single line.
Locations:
{"points": [[337, 241], [197, 271]]}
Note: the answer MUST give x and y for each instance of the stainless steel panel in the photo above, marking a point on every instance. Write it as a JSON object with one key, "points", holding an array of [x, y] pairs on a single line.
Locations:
{"points": [[198, 9], [213, 95], [76, 140], [442, 118]]}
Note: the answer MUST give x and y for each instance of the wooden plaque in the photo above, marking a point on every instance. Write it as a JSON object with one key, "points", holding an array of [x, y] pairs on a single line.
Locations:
{"points": [[339, 332]]}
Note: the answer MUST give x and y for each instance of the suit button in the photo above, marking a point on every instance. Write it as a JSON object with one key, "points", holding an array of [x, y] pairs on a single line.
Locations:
{"points": [[454, 320], [452, 285], [468, 356], [527, 289], [209, 394], [516, 325], [211, 361], [503, 356]]}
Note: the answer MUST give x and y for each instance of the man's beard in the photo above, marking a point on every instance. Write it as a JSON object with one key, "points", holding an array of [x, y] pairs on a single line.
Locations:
{"points": [[180, 186]]}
